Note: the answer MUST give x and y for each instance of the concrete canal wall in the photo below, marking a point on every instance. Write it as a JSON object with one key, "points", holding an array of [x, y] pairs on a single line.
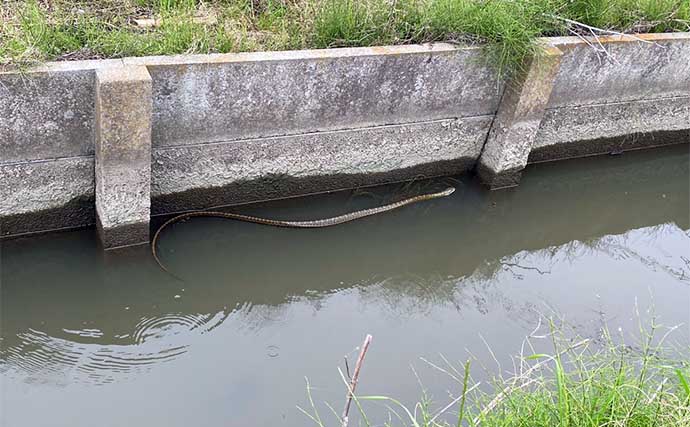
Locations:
{"points": [[114, 141], [583, 98]]}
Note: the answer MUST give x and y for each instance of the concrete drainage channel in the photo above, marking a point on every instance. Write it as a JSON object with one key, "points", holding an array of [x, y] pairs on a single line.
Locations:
{"points": [[113, 142]]}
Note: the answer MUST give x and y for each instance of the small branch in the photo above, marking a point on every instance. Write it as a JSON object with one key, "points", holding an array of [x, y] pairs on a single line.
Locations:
{"points": [[601, 30], [347, 369], [355, 377], [603, 49]]}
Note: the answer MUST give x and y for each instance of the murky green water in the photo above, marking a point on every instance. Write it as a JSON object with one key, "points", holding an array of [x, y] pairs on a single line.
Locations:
{"points": [[112, 341]]}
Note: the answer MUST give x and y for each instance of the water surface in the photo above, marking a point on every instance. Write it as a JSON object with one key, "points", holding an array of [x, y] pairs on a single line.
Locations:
{"points": [[111, 340]]}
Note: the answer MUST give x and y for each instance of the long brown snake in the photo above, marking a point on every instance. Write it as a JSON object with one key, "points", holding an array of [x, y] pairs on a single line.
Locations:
{"points": [[319, 223]]}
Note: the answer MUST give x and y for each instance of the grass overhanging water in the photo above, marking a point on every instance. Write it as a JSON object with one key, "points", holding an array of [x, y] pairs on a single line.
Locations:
{"points": [[582, 382], [40, 30]]}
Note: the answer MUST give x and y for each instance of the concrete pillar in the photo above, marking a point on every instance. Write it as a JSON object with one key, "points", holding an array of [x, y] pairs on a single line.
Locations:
{"points": [[123, 155], [517, 121]]}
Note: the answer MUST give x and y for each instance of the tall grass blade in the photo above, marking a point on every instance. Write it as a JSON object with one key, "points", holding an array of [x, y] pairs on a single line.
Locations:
{"points": [[684, 384], [461, 413]]}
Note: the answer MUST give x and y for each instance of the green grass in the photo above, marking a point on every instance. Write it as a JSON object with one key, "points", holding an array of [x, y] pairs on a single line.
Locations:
{"points": [[40, 30], [579, 384]]}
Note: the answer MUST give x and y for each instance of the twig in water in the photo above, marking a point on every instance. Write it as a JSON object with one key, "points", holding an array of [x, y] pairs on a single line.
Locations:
{"points": [[355, 377]]}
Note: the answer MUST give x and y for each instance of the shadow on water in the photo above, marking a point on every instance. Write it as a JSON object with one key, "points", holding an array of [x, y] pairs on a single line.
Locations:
{"points": [[71, 315]]}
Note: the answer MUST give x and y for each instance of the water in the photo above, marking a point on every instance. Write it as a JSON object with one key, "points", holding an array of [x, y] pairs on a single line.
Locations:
{"points": [[111, 340]]}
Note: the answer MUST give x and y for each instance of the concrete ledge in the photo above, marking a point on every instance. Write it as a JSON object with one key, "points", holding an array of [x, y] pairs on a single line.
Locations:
{"points": [[77, 213], [277, 186], [48, 195], [610, 145], [605, 121], [378, 150], [123, 155]]}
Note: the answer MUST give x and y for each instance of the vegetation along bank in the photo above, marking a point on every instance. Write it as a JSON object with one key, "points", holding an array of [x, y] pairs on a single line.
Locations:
{"points": [[42, 30]]}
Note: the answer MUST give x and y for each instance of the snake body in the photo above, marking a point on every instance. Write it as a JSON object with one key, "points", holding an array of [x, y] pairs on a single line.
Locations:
{"points": [[319, 223]]}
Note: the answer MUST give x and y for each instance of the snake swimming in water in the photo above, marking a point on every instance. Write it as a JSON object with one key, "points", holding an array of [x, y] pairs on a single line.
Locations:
{"points": [[319, 223]]}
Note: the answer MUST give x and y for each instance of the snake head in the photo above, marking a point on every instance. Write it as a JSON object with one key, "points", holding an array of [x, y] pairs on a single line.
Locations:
{"points": [[447, 192]]}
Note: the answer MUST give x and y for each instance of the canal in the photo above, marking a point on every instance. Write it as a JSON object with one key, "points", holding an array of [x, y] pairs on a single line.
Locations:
{"points": [[111, 340]]}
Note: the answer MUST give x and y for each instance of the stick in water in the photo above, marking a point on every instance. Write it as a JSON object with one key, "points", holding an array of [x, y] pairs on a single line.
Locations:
{"points": [[355, 376]]}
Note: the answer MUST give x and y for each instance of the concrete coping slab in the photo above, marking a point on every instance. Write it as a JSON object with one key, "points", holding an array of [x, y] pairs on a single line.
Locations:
{"points": [[572, 41], [219, 58], [123, 74], [436, 47]]}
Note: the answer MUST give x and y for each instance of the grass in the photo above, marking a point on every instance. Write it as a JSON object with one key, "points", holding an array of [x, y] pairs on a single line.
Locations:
{"points": [[40, 30], [581, 383]]}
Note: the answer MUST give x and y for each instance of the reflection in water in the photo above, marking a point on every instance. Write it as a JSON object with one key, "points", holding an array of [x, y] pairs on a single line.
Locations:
{"points": [[50, 360], [663, 248], [659, 248], [262, 307]]}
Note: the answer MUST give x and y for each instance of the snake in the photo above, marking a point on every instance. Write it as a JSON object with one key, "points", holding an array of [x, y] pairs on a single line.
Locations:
{"points": [[318, 223]]}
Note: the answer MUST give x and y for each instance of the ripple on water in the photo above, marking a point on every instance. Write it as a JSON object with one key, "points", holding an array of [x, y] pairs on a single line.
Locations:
{"points": [[173, 324], [84, 333], [41, 358]]}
